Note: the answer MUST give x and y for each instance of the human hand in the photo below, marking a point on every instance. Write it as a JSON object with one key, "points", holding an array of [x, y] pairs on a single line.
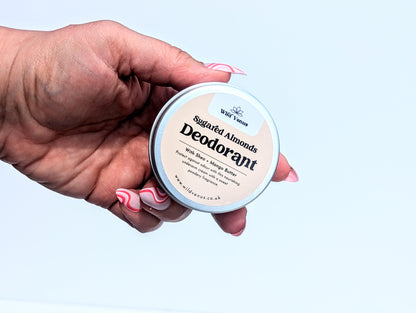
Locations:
{"points": [[76, 109]]}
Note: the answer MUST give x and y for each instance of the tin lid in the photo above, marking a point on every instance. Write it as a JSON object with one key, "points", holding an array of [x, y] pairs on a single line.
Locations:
{"points": [[214, 147]]}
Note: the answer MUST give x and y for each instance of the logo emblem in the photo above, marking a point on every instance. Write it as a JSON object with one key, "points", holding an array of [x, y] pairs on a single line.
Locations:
{"points": [[238, 111]]}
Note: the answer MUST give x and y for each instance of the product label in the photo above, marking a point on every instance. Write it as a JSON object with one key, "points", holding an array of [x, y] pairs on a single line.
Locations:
{"points": [[216, 149], [232, 110]]}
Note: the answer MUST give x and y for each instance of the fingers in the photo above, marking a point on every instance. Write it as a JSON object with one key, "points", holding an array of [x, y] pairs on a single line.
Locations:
{"points": [[140, 219], [148, 208], [157, 202], [159, 63]]}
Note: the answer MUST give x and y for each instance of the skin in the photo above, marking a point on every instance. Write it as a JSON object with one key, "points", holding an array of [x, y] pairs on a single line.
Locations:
{"points": [[76, 109]]}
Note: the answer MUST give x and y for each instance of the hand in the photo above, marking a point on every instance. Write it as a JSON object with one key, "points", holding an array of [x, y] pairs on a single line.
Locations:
{"points": [[77, 109]]}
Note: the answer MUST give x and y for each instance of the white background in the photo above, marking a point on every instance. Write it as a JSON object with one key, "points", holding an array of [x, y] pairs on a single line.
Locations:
{"points": [[339, 79]]}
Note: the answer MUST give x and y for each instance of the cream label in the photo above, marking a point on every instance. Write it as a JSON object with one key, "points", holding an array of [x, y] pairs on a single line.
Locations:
{"points": [[216, 149]]}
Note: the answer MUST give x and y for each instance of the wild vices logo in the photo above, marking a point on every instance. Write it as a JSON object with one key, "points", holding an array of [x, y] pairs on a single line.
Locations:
{"points": [[236, 113]]}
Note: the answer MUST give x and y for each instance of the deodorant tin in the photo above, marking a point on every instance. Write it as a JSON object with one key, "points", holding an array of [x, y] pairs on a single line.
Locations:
{"points": [[213, 147]]}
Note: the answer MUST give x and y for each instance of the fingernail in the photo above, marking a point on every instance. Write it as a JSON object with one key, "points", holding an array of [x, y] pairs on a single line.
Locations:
{"points": [[292, 177], [130, 199], [225, 68], [238, 233], [155, 198]]}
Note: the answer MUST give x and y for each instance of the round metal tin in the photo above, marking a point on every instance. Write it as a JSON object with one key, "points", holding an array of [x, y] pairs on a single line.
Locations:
{"points": [[213, 147]]}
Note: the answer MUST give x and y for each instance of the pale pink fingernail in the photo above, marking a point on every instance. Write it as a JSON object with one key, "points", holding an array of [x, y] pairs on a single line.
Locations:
{"points": [[292, 177], [130, 199], [155, 198], [225, 68], [238, 233]]}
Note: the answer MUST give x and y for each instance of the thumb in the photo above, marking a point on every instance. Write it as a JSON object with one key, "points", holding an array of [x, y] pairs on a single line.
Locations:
{"points": [[160, 63]]}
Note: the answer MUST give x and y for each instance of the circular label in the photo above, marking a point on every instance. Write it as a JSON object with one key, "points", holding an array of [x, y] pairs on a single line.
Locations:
{"points": [[217, 152]]}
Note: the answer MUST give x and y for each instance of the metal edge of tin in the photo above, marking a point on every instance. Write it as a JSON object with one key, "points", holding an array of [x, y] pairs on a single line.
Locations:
{"points": [[171, 107]]}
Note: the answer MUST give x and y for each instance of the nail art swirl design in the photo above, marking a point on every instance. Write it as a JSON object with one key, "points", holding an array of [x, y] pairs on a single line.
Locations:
{"points": [[155, 198], [129, 199], [225, 68]]}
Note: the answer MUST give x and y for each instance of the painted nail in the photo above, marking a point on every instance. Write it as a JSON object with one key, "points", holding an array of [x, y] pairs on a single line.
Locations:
{"points": [[225, 68], [292, 177], [130, 199], [155, 198], [238, 233]]}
